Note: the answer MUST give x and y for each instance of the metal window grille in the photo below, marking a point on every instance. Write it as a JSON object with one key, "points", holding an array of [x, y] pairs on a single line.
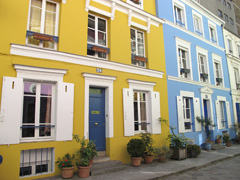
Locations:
{"points": [[36, 161]]}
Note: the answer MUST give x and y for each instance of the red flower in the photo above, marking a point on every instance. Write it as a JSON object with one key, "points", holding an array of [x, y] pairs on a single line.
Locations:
{"points": [[66, 160], [63, 164]]}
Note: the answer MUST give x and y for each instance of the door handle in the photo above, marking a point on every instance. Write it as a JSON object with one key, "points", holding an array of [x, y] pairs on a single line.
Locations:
{"points": [[96, 124]]}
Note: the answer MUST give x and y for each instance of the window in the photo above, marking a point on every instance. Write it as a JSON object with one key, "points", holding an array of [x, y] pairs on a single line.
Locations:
{"points": [[231, 21], [183, 63], [213, 34], [179, 16], [229, 6], [187, 113], [238, 48], [218, 73], [97, 37], [197, 20], [141, 108], [137, 3], [226, 17], [137, 48], [220, 13], [236, 74], [224, 2], [230, 48], [43, 24], [36, 161], [203, 68], [222, 112], [140, 111], [37, 111]]}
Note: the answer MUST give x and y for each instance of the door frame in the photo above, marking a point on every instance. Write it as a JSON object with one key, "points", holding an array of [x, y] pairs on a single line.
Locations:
{"points": [[100, 81]]}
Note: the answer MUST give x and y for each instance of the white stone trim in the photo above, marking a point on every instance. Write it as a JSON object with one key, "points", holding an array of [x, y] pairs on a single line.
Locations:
{"points": [[103, 82], [221, 98], [81, 60], [186, 94], [133, 83], [178, 79], [217, 58], [194, 13], [181, 6], [211, 24], [39, 73]]}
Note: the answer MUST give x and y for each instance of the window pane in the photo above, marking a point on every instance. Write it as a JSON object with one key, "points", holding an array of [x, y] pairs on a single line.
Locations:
{"points": [[133, 34], [140, 37], [29, 88], [25, 171], [187, 125], [140, 49], [44, 131], [51, 7], [29, 109], [45, 110], [91, 23], [91, 35], [144, 127], [133, 47], [46, 90], [143, 111], [33, 41], [28, 132], [142, 96], [102, 38], [102, 25], [41, 168], [90, 52], [48, 44], [35, 19], [50, 18], [102, 55], [37, 3], [135, 111]]}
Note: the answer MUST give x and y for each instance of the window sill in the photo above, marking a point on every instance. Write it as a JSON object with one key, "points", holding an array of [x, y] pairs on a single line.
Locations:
{"points": [[40, 174], [35, 140]]}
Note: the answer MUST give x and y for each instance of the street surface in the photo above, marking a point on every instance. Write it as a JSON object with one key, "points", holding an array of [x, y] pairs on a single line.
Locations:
{"points": [[225, 170]]}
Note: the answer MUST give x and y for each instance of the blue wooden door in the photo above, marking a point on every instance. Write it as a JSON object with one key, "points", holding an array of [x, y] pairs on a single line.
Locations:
{"points": [[97, 117], [238, 111]]}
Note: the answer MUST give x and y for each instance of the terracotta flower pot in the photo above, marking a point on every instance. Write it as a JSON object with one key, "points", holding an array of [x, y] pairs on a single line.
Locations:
{"points": [[83, 172], [162, 158], [67, 172], [148, 159], [219, 141], [136, 161], [90, 162], [228, 143]]}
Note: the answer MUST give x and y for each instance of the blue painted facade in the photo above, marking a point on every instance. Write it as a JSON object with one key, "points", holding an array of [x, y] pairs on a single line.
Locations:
{"points": [[193, 87]]}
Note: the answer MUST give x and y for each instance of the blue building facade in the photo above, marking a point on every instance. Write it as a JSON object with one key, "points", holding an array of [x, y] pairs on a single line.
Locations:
{"points": [[196, 66]]}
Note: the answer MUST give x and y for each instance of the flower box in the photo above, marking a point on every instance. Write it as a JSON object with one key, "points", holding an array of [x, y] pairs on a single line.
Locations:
{"points": [[184, 70], [204, 75], [178, 153], [219, 80]]}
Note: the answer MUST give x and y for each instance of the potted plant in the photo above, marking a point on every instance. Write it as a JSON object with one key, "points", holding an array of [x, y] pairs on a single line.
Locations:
{"points": [[66, 165], [136, 148], [193, 150], [219, 139], [235, 128], [162, 153], [227, 139], [147, 139], [178, 143], [206, 123], [83, 156]]}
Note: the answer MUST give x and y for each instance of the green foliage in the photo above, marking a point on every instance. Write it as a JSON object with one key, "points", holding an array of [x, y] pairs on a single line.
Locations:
{"points": [[86, 152], [177, 141], [193, 148], [66, 161], [219, 136], [148, 142], [206, 122], [226, 137], [162, 151], [136, 147]]}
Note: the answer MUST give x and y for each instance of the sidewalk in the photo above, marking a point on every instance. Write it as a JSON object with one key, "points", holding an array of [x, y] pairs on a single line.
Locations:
{"points": [[159, 170]]}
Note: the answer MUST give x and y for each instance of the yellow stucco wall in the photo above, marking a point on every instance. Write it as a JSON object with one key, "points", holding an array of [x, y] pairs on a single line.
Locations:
{"points": [[73, 39]]}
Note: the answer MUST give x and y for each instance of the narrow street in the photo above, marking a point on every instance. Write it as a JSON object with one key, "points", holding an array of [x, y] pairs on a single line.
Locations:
{"points": [[227, 169]]}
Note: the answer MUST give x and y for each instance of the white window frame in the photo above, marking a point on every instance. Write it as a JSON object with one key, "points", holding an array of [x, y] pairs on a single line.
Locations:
{"points": [[230, 45], [37, 113], [187, 120], [197, 18], [136, 5], [214, 38], [96, 36], [203, 52], [29, 159], [218, 59], [183, 13], [236, 77], [186, 46], [43, 21], [136, 47], [238, 49]]}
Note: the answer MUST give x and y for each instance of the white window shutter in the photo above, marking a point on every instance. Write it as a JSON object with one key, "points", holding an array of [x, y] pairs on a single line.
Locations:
{"points": [[180, 114], [11, 110], [156, 125], [197, 113], [128, 112], [228, 115], [218, 114], [64, 111]]}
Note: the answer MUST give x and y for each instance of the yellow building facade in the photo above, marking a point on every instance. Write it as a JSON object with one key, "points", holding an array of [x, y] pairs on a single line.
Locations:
{"points": [[90, 67]]}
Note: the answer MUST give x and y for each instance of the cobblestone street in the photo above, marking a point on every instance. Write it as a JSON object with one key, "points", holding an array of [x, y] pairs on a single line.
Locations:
{"points": [[227, 169]]}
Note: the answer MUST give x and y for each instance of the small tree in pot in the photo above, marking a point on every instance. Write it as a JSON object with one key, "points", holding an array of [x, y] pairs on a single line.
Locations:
{"points": [[148, 141], [178, 143], [162, 153], [193, 150], [227, 139], [136, 148], [66, 165]]}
